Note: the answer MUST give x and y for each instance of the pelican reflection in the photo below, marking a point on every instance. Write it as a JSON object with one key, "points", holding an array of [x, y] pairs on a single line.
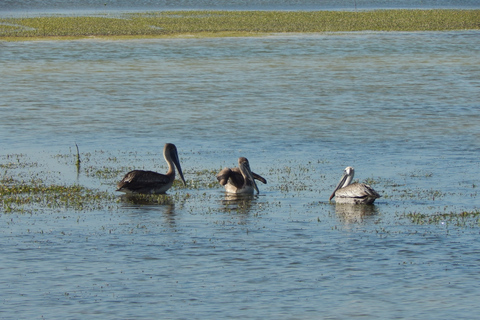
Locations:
{"points": [[350, 213], [238, 202]]}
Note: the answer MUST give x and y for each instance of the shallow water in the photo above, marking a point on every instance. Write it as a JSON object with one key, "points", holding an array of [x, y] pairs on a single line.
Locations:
{"points": [[402, 108]]}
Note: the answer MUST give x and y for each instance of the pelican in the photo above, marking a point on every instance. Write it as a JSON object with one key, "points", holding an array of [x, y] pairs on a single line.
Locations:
{"points": [[353, 193], [241, 179], [140, 181]]}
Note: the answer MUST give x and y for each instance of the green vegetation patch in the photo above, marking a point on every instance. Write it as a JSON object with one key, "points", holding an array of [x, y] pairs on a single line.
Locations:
{"points": [[222, 23], [462, 219], [34, 195]]}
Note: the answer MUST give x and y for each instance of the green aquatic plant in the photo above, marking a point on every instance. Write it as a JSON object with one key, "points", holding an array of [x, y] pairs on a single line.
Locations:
{"points": [[16, 161], [105, 172], [78, 161], [462, 219], [202, 179], [420, 194], [235, 23], [27, 187], [35, 195]]}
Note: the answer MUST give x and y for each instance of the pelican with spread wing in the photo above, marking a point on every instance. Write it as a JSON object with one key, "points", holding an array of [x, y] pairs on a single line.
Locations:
{"points": [[241, 179]]}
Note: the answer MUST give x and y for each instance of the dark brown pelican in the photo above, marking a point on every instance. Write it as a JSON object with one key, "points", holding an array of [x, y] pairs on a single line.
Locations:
{"points": [[353, 193], [241, 179], [140, 181]]}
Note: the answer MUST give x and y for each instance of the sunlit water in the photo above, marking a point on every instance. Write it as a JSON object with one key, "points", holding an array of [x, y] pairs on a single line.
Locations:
{"points": [[402, 108]]}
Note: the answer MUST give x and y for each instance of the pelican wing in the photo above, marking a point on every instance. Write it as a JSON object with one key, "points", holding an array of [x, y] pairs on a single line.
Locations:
{"points": [[357, 190], [259, 178], [223, 176], [138, 180], [234, 175], [370, 192]]}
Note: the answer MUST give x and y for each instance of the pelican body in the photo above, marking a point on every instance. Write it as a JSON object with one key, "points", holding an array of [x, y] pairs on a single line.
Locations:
{"points": [[357, 193], [145, 182], [240, 180]]}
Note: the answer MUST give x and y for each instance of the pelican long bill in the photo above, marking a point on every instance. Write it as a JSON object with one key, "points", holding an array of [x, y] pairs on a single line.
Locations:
{"points": [[248, 172], [176, 161], [339, 185]]}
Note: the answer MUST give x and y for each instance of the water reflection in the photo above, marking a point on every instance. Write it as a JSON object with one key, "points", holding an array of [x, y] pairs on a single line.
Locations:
{"points": [[209, 242], [149, 203], [144, 199], [354, 213], [169, 214], [242, 203]]}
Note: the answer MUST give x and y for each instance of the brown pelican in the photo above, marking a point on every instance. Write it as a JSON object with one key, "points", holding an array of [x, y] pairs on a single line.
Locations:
{"points": [[140, 181], [241, 179], [353, 193]]}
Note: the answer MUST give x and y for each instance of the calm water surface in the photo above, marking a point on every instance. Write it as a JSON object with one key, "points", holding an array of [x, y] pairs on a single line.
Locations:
{"points": [[402, 108]]}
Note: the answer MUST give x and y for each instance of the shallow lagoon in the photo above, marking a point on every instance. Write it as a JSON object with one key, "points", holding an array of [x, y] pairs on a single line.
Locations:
{"points": [[402, 108]]}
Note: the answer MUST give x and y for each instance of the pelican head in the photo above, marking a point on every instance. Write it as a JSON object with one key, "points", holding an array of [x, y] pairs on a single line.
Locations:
{"points": [[247, 173], [170, 154], [346, 179]]}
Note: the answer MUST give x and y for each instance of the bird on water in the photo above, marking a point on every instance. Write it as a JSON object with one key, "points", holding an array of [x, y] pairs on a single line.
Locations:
{"points": [[240, 180], [150, 182], [357, 193]]}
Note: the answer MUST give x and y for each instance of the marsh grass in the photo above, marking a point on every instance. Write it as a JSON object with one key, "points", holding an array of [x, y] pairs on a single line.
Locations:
{"points": [[35, 195], [27, 187], [462, 219], [235, 23]]}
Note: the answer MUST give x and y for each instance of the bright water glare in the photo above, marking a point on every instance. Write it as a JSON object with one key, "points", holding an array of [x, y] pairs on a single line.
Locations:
{"points": [[402, 108]]}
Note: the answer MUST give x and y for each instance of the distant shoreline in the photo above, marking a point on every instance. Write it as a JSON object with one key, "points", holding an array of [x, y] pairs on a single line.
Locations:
{"points": [[204, 23]]}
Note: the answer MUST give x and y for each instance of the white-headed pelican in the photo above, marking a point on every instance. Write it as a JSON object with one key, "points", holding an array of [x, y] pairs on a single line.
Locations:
{"points": [[140, 181], [241, 179], [353, 193]]}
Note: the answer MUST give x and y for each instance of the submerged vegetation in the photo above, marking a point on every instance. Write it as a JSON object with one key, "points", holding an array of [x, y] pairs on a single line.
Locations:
{"points": [[235, 23], [462, 219], [30, 196], [26, 187]]}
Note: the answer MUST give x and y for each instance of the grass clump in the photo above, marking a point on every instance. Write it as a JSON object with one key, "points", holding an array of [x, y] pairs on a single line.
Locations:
{"points": [[34, 195], [462, 219], [221, 23], [69, 26]]}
